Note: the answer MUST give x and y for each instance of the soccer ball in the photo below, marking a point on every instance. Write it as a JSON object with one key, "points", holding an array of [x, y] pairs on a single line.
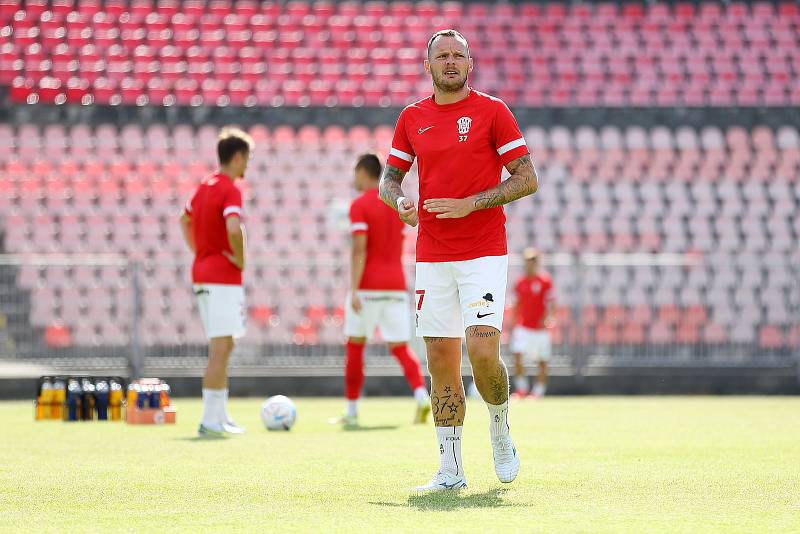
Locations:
{"points": [[278, 413]]}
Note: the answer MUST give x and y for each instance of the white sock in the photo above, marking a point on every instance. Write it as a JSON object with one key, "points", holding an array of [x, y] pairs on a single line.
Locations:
{"points": [[539, 389], [450, 449], [227, 417], [521, 384], [352, 408], [498, 419], [213, 407], [421, 395]]}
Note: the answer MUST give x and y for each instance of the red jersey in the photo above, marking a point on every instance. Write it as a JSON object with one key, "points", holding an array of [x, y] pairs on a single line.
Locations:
{"points": [[384, 267], [533, 295], [461, 149], [216, 199]]}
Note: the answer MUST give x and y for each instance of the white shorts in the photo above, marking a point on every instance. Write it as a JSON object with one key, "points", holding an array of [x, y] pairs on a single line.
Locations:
{"points": [[387, 310], [454, 295], [533, 345], [221, 309]]}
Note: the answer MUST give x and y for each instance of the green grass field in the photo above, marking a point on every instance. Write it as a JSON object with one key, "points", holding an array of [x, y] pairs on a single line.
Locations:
{"points": [[591, 464]]}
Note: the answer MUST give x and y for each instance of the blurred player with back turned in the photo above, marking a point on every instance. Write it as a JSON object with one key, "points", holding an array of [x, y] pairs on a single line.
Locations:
{"points": [[461, 139], [378, 296], [533, 314], [212, 228]]}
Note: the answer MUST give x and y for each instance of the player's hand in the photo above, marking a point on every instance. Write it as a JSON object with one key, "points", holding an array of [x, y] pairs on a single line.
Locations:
{"points": [[355, 302], [231, 258], [449, 208], [407, 211]]}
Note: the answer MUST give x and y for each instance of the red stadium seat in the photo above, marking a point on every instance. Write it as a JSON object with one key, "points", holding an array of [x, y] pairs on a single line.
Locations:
{"points": [[58, 335], [305, 334], [22, 91], [607, 334], [771, 337], [661, 333]]}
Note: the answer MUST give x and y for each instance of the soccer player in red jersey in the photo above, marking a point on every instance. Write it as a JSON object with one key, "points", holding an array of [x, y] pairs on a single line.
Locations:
{"points": [[533, 314], [378, 297], [212, 228], [461, 139]]}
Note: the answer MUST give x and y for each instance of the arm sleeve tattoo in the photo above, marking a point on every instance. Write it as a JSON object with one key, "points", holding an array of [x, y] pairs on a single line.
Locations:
{"points": [[522, 182], [390, 186]]}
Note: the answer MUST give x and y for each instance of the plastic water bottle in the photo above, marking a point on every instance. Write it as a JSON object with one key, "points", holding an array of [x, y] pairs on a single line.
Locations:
{"points": [[74, 393], [87, 411], [165, 391], [59, 398], [45, 399], [115, 400], [131, 395], [141, 396], [155, 396], [101, 398]]}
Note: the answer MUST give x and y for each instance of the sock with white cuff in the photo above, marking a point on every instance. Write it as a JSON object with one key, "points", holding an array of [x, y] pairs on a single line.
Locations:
{"points": [[450, 449]]}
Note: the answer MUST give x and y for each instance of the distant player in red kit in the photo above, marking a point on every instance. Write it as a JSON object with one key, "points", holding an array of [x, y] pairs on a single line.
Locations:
{"points": [[378, 296], [533, 314], [212, 227], [461, 139]]}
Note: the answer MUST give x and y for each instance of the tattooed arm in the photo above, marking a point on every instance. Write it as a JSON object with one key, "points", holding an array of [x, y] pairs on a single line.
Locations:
{"points": [[391, 192], [522, 182]]}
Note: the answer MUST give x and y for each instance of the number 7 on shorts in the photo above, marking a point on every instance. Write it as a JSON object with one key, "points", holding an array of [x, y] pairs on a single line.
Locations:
{"points": [[421, 295]]}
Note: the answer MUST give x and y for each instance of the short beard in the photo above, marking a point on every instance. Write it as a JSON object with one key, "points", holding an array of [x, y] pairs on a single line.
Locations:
{"points": [[449, 87]]}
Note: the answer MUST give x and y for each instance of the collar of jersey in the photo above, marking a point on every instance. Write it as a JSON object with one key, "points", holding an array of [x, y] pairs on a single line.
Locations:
{"points": [[454, 105]]}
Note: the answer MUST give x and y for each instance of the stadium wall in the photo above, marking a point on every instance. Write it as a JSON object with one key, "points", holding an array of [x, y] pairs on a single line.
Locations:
{"points": [[619, 381]]}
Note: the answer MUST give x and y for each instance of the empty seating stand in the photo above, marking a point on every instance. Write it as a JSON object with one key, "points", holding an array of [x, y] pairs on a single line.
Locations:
{"points": [[253, 53], [729, 198]]}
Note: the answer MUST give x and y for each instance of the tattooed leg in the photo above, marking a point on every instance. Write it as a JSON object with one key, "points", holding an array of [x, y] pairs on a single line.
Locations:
{"points": [[491, 376], [448, 404]]}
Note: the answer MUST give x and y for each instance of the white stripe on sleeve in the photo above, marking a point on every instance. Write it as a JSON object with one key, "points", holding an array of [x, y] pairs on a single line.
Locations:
{"points": [[188, 206], [355, 227], [231, 209], [400, 154], [511, 146]]}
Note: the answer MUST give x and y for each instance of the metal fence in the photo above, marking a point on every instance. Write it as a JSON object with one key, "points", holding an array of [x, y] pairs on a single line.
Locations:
{"points": [[106, 313]]}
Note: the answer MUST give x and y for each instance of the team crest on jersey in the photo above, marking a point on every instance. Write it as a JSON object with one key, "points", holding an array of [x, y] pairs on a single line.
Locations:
{"points": [[536, 286], [463, 125]]}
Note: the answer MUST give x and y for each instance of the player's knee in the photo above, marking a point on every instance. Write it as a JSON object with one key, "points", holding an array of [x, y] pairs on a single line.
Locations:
{"points": [[441, 367], [483, 359], [357, 340]]}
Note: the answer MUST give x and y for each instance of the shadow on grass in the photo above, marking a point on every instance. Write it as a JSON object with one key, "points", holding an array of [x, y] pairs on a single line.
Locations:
{"points": [[360, 428], [199, 439], [453, 500]]}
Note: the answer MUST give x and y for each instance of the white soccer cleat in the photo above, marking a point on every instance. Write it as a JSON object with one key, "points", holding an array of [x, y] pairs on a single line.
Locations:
{"points": [[346, 421], [444, 482], [210, 432], [421, 415], [506, 459], [232, 428]]}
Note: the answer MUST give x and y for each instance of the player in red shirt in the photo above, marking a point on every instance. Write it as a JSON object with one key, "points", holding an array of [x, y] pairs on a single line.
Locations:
{"points": [[533, 314], [212, 227], [378, 297], [461, 139]]}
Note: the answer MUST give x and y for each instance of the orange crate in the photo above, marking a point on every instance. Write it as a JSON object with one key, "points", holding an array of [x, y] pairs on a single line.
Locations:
{"points": [[151, 416]]}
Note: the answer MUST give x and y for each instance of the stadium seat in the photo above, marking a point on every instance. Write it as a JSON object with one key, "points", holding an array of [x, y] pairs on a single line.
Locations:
{"points": [[115, 189], [574, 66]]}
